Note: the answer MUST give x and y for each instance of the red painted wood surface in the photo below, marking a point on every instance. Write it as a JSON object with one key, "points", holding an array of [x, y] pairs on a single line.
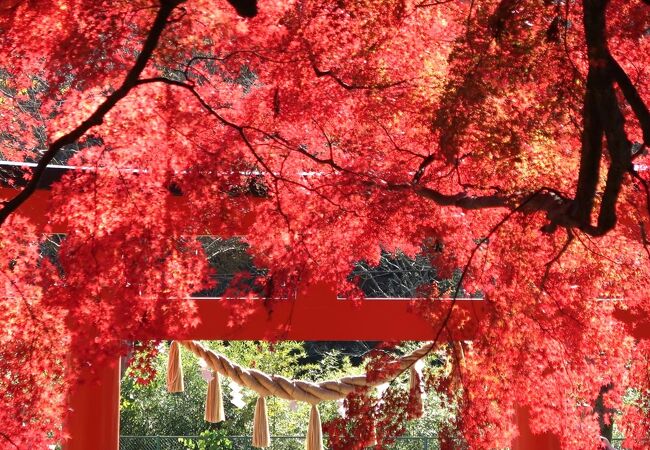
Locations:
{"points": [[529, 441], [93, 421], [35, 209], [318, 315]]}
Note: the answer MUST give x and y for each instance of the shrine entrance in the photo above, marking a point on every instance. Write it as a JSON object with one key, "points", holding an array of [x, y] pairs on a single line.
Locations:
{"points": [[315, 314]]}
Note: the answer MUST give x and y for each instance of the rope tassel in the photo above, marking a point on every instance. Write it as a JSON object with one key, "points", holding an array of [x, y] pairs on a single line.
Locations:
{"points": [[261, 438], [214, 402], [415, 407], [175, 369], [315, 431], [372, 441]]}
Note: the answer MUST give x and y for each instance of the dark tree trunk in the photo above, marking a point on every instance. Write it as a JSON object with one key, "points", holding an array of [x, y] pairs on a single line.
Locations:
{"points": [[605, 415]]}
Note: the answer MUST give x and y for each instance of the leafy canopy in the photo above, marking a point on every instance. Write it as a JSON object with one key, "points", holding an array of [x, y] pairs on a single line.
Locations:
{"points": [[509, 136]]}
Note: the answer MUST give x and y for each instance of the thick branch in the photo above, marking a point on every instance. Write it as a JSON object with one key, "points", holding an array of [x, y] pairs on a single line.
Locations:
{"points": [[245, 8], [633, 98], [620, 152], [97, 117], [605, 415], [464, 200], [602, 115], [545, 200], [590, 154], [503, 13], [426, 162]]}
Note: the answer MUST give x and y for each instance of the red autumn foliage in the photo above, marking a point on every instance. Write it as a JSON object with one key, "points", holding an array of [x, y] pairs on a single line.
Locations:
{"points": [[513, 133], [141, 361], [357, 429]]}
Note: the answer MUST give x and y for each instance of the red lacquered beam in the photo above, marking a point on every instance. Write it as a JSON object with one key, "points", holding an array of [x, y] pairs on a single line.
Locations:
{"points": [[368, 320]]}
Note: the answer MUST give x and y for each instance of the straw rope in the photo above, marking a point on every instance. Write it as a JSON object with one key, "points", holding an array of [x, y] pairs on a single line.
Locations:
{"points": [[304, 391]]}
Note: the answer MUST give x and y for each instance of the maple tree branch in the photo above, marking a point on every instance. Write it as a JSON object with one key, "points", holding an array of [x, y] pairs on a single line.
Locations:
{"points": [[620, 152], [245, 8], [590, 156], [8, 439], [351, 86], [644, 234], [605, 414], [632, 96], [426, 162], [610, 115], [327, 161], [426, 4], [345, 85], [549, 265], [644, 239], [189, 64], [464, 200], [602, 116], [97, 117], [646, 188], [397, 147], [445, 321], [504, 11], [545, 199]]}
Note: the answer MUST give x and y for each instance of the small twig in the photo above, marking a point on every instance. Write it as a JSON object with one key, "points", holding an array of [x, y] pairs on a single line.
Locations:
{"points": [[556, 258], [8, 439], [644, 239]]}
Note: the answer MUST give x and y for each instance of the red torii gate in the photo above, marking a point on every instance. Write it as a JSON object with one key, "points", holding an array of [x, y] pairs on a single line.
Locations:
{"points": [[315, 314]]}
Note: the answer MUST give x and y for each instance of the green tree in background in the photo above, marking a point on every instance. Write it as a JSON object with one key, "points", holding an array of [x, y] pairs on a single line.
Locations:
{"points": [[149, 410]]}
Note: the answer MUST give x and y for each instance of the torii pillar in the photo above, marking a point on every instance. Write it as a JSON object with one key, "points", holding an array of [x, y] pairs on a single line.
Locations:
{"points": [[93, 420]]}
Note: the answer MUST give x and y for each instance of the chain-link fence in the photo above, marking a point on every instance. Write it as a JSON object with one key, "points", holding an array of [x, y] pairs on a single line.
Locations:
{"points": [[244, 443], [277, 443]]}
